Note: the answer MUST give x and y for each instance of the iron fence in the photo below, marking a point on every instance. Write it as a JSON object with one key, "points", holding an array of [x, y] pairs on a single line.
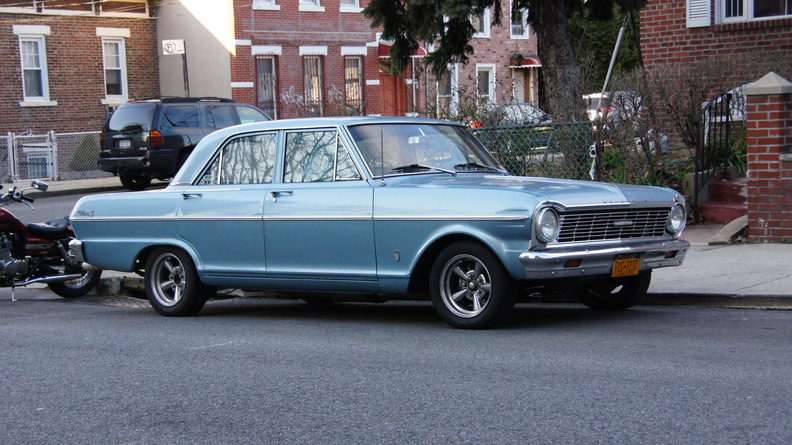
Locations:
{"points": [[554, 150], [60, 156]]}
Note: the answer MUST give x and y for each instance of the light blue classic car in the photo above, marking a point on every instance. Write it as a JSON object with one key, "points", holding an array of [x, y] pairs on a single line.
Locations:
{"points": [[376, 209]]}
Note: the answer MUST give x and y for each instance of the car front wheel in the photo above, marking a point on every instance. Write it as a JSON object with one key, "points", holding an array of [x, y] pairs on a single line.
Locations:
{"points": [[172, 284], [470, 288], [616, 293]]}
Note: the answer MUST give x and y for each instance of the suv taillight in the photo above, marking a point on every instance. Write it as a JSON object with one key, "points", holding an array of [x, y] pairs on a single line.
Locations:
{"points": [[156, 139]]}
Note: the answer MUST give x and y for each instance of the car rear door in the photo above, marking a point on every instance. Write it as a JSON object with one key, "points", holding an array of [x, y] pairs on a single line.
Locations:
{"points": [[220, 214]]}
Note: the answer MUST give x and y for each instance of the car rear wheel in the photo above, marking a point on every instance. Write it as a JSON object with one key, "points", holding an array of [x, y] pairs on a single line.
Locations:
{"points": [[172, 284], [616, 293], [470, 288], [134, 182]]}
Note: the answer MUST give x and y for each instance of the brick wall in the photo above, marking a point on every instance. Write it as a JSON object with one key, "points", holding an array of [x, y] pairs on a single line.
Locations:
{"points": [[769, 110], [665, 38], [75, 71]]}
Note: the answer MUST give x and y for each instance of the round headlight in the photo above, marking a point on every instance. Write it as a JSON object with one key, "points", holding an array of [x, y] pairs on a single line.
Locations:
{"points": [[546, 225], [676, 219]]}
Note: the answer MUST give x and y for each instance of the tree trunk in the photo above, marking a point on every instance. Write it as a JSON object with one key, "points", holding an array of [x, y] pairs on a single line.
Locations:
{"points": [[562, 80]]}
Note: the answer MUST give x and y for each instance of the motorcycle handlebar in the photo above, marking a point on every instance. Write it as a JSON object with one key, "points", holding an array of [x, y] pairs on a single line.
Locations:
{"points": [[25, 198]]}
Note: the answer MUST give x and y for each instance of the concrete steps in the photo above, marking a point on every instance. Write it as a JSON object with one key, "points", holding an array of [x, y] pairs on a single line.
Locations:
{"points": [[727, 201]]}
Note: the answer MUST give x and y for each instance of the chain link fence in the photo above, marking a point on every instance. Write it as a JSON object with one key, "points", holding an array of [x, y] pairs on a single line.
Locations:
{"points": [[61, 156], [552, 150]]}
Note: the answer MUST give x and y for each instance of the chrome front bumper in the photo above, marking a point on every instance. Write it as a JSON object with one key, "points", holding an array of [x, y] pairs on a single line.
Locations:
{"points": [[553, 263]]}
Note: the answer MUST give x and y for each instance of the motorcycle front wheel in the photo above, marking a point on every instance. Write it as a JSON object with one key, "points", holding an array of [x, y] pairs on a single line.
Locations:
{"points": [[78, 287]]}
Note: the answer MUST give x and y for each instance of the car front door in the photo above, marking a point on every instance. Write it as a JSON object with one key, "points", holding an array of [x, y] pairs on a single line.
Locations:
{"points": [[318, 219], [220, 215]]}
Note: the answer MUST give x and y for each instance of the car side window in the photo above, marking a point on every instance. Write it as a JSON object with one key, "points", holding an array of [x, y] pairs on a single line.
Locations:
{"points": [[219, 116], [250, 114], [180, 116], [244, 160], [317, 156]]}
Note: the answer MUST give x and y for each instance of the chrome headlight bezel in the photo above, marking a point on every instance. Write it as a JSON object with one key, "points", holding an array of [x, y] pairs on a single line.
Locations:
{"points": [[677, 220], [547, 225]]}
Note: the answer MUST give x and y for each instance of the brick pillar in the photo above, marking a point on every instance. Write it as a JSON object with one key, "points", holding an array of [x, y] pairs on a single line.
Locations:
{"points": [[769, 124]]}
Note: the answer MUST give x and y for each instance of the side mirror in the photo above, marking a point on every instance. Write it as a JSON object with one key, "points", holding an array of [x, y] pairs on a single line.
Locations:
{"points": [[43, 186]]}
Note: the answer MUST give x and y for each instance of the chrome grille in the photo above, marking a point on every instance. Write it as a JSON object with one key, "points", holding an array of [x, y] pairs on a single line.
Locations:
{"points": [[612, 225]]}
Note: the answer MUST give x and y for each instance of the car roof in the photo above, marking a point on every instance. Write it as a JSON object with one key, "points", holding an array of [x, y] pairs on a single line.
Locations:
{"points": [[183, 100]]}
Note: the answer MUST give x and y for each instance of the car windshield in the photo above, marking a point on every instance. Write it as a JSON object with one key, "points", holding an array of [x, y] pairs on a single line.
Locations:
{"points": [[132, 117], [411, 148]]}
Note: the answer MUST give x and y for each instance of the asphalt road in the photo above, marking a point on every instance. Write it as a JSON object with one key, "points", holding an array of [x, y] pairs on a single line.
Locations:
{"points": [[266, 371]]}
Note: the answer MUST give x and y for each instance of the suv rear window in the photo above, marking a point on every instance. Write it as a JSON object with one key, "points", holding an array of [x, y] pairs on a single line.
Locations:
{"points": [[132, 116], [181, 116]]}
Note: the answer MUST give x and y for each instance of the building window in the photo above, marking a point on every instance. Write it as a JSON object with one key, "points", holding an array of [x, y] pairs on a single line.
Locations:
{"points": [[266, 5], [481, 24], [114, 67], [519, 24], [353, 83], [447, 93], [267, 92], [34, 68], [311, 6], [485, 83], [313, 85], [745, 10], [350, 6]]}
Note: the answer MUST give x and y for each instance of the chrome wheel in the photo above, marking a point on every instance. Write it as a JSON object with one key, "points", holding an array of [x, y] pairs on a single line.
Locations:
{"points": [[466, 286], [470, 288], [168, 279], [172, 283]]}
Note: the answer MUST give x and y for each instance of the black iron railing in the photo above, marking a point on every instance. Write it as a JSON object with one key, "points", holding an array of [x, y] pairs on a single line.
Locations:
{"points": [[713, 131]]}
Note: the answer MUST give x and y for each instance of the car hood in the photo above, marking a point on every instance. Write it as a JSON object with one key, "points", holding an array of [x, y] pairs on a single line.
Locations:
{"points": [[567, 193]]}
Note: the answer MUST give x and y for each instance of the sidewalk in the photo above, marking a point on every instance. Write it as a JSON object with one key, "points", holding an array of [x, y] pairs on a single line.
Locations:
{"points": [[756, 275]]}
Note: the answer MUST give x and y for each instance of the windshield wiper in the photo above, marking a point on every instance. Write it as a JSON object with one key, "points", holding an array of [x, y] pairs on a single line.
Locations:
{"points": [[476, 166], [405, 168]]}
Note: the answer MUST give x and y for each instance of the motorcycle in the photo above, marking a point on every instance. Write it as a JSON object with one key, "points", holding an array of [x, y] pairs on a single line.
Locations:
{"points": [[39, 252]]}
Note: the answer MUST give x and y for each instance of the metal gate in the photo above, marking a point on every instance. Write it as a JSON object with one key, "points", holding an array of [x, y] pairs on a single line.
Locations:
{"points": [[713, 133], [49, 156]]}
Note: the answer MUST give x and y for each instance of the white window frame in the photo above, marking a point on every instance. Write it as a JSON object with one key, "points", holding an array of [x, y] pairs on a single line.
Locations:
{"points": [[115, 99], [273, 83], [747, 15], [359, 80], [38, 34], [351, 6], [526, 29], [490, 69], [266, 5], [486, 24], [453, 102], [310, 6]]}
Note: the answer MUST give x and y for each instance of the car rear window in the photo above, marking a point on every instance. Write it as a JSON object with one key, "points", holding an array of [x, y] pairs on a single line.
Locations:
{"points": [[133, 116], [250, 114]]}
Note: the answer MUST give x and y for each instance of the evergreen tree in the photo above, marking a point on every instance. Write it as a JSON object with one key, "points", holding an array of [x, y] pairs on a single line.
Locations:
{"points": [[408, 23]]}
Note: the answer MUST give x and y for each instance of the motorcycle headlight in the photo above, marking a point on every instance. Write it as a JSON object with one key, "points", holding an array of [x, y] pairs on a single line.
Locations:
{"points": [[546, 225], [677, 219]]}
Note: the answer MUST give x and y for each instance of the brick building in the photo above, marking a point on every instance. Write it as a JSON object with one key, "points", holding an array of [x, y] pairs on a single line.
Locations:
{"points": [[760, 33], [309, 57], [65, 63], [686, 31]]}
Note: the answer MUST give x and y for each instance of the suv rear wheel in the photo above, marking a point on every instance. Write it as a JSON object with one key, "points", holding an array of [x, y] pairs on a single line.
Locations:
{"points": [[134, 182]]}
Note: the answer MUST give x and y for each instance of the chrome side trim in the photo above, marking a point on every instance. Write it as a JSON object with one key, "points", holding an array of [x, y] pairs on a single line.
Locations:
{"points": [[302, 218], [452, 218]]}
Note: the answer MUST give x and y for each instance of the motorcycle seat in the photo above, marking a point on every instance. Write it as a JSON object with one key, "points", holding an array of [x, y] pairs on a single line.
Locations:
{"points": [[51, 230]]}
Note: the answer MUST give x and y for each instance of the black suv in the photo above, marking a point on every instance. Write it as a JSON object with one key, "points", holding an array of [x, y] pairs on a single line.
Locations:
{"points": [[147, 139]]}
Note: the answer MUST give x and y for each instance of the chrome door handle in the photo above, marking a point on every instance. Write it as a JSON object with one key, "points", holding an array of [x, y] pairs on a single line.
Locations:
{"points": [[187, 195], [278, 193]]}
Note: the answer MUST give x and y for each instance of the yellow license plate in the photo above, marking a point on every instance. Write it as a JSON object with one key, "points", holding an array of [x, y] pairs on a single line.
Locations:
{"points": [[626, 267]]}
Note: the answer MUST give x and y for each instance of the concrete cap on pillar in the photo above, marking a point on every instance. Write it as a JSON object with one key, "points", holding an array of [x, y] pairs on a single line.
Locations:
{"points": [[769, 85]]}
